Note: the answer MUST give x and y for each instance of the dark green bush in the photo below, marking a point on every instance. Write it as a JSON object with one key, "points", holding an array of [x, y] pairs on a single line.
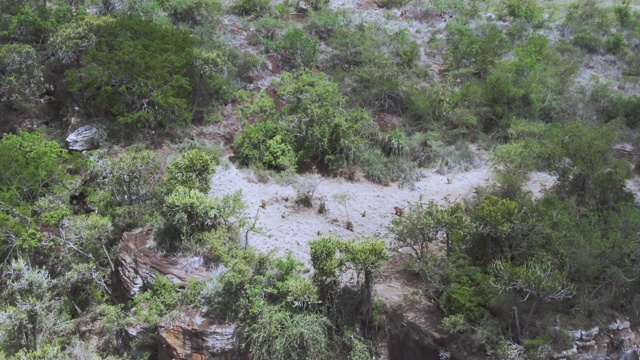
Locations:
{"points": [[475, 49], [252, 7], [589, 42], [529, 10], [323, 23], [191, 170], [297, 50], [615, 44], [267, 143]]}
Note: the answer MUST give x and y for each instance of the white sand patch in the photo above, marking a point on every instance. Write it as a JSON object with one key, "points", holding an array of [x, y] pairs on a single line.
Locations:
{"points": [[290, 227]]}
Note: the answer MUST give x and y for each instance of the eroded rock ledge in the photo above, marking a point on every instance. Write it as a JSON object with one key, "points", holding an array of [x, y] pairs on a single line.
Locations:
{"points": [[137, 265]]}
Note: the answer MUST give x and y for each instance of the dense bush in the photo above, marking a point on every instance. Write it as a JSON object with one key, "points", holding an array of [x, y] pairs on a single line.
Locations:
{"points": [[130, 176], [191, 170], [529, 10], [297, 50], [475, 50], [138, 72], [31, 163], [266, 143]]}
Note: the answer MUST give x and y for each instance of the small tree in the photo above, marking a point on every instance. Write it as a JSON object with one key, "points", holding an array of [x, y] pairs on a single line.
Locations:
{"points": [[366, 255], [30, 164], [130, 176], [537, 279], [281, 335], [423, 224], [328, 263], [191, 170], [32, 315]]}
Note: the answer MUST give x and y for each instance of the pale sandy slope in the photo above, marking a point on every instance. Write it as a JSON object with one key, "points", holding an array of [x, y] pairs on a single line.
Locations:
{"points": [[288, 227]]}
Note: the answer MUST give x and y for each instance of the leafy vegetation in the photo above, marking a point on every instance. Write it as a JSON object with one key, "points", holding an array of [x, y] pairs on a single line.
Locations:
{"points": [[296, 85]]}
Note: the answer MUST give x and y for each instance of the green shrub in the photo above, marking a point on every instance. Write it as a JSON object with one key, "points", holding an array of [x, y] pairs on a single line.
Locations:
{"points": [[267, 143], [193, 212], [394, 143], [462, 300], [615, 44], [130, 176], [280, 334], [31, 165], [389, 4], [152, 305], [297, 50], [589, 42], [251, 7], [623, 12], [139, 72], [194, 13], [454, 324], [191, 170], [323, 23], [475, 49], [529, 10]]}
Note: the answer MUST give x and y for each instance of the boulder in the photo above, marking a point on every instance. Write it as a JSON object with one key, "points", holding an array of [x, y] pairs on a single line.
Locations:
{"points": [[196, 337], [86, 137], [137, 265]]}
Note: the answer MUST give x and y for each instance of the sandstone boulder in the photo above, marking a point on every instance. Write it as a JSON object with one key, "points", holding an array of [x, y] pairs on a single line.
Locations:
{"points": [[137, 265], [196, 337]]}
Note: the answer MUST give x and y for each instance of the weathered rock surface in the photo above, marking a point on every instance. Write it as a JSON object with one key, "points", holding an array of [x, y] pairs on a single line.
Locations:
{"points": [[617, 341], [195, 337], [136, 266], [86, 137]]}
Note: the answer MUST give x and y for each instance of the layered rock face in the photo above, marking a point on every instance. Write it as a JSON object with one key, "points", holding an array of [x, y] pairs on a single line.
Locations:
{"points": [[137, 265], [194, 337]]}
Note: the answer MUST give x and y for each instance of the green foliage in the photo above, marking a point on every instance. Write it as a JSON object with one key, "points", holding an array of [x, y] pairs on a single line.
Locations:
{"points": [[389, 4], [531, 85], [535, 278], [497, 226], [381, 169], [193, 13], [152, 305], [138, 72], [31, 22], [192, 212], [21, 74], [615, 44], [585, 167], [266, 143], [191, 170], [280, 334], [311, 122], [130, 176], [327, 263], [454, 324], [475, 50], [323, 23], [529, 10], [33, 315], [88, 234], [31, 164], [75, 38], [424, 224], [297, 50], [466, 289], [251, 7], [623, 12]]}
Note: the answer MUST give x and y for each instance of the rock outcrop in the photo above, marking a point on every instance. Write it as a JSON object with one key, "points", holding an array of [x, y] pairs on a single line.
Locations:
{"points": [[617, 341], [137, 265], [87, 137], [195, 337]]}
